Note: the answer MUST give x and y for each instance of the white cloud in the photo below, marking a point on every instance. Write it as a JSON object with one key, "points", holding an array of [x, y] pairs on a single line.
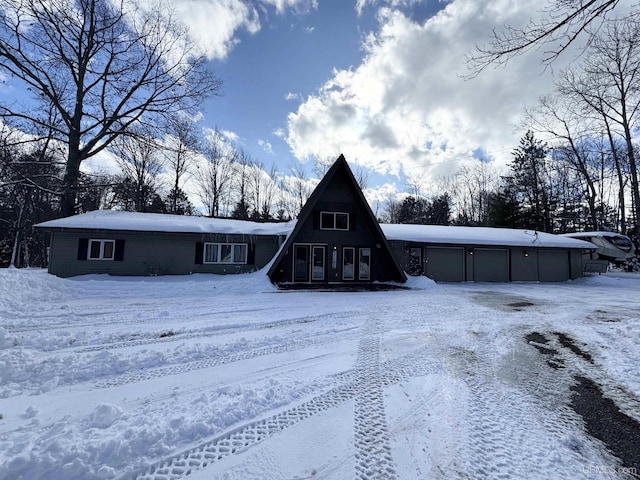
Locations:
{"points": [[230, 136], [293, 96], [214, 24], [299, 6], [361, 4], [265, 145], [407, 106]]}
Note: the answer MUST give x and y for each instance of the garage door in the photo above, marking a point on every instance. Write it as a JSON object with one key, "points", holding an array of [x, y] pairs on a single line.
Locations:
{"points": [[445, 264], [491, 265], [553, 265]]}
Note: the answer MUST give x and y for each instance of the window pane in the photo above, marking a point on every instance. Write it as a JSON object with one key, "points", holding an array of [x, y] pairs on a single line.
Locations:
{"points": [[365, 264], [301, 266], [240, 253], [327, 221], [210, 253], [348, 255], [318, 263], [342, 221], [94, 249], [226, 253], [108, 249]]}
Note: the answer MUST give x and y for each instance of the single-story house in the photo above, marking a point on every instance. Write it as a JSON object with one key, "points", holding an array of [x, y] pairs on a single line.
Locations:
{"points": [[131, 243], [336, 240]]}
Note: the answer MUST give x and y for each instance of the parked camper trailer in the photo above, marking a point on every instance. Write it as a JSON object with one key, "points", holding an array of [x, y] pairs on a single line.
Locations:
{"points": [[612, 247]]}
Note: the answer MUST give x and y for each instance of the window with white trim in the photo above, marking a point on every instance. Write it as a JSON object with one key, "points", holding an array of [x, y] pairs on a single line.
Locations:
{"points": [[225, 253], [334, 221], [101, 249]]}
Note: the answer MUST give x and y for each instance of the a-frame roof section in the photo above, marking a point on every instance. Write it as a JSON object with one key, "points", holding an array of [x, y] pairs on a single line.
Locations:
{"points": [[339, 166]]}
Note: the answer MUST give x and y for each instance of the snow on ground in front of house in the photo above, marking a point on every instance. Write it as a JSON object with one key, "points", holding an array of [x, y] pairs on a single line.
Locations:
{"points": [[225, 377]]}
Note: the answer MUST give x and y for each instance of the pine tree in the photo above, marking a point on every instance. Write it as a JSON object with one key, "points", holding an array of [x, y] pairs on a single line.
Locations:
{"points": [[529, 183]]}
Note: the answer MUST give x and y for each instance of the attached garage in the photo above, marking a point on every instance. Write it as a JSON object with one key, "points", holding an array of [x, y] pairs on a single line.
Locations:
{"points": [[484, 254]]}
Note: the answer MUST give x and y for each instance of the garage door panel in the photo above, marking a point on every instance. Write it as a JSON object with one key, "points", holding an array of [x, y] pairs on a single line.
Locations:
{"points": [[553, 265], [491, 265], [445, 264]]}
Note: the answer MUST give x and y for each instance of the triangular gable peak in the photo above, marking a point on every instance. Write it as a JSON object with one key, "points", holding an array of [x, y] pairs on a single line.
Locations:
{"points": [[337, 239]]}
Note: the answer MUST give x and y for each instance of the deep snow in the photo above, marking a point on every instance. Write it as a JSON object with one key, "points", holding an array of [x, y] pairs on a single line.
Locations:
{"points": [[225, 377]]}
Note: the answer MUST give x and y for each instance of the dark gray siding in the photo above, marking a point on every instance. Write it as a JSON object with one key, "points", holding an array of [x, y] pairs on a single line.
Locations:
{"points": [[577, 267], [149, 253]]}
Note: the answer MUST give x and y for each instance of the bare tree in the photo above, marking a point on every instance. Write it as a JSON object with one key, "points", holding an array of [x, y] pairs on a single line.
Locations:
{"points": [[140, 162], [263, 190], [300, 188], [214, 177], [609, 84], [561, 23], [242, 209], [180, 147], [573, 133], [100, 66]]}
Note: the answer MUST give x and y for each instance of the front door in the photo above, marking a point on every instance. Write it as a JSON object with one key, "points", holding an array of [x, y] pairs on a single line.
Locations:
{"points": [[309, 263]]}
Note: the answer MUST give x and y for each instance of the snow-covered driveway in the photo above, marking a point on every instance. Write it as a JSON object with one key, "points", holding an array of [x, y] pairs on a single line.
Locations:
{"points": [[209, 377]]}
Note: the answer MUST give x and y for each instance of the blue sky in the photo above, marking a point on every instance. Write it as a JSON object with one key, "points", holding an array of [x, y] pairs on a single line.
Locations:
{"points": [[269, 73], [377, 80]]}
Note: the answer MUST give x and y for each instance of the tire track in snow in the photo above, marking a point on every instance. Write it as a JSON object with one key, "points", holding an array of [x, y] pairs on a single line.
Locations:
{"points": [[526, 392], [155, 337], [149, 374], [419, 362], [176, 337], [372, 444]]}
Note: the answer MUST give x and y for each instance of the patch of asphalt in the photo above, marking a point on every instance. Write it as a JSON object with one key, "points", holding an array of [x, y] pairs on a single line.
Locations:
{"points": [[602, 417]]}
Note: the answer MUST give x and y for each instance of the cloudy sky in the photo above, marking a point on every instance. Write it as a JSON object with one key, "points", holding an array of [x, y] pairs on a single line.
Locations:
{"points": [[381, 81]]}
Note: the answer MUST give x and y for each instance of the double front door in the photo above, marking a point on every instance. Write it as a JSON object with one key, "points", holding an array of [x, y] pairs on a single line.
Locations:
{"points": [[318, 263]]}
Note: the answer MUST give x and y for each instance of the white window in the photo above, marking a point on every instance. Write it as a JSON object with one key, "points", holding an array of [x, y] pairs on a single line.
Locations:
{"points": [[101, 249], [334, 221], [225, 253]]}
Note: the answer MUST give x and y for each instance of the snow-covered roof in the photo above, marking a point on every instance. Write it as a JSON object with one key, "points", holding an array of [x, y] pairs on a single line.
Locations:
{"points": [[479, 236], [155, 222]]}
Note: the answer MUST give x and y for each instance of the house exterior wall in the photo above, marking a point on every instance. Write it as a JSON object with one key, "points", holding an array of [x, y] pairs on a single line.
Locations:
{"points": [[577, 265], [150, 253]]}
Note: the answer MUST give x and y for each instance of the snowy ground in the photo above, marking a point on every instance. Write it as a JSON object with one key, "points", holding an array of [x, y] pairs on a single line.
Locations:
{"points": [[211, 377]]}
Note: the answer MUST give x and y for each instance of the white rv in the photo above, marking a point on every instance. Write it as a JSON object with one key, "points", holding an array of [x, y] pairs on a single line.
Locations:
{"points": [[612, 247]]}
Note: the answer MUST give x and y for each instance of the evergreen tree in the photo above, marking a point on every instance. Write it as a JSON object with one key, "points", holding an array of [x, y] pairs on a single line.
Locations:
{"points": [[529, 183], [438, 211], [241, 210], [178, 203], [412, 210]]}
